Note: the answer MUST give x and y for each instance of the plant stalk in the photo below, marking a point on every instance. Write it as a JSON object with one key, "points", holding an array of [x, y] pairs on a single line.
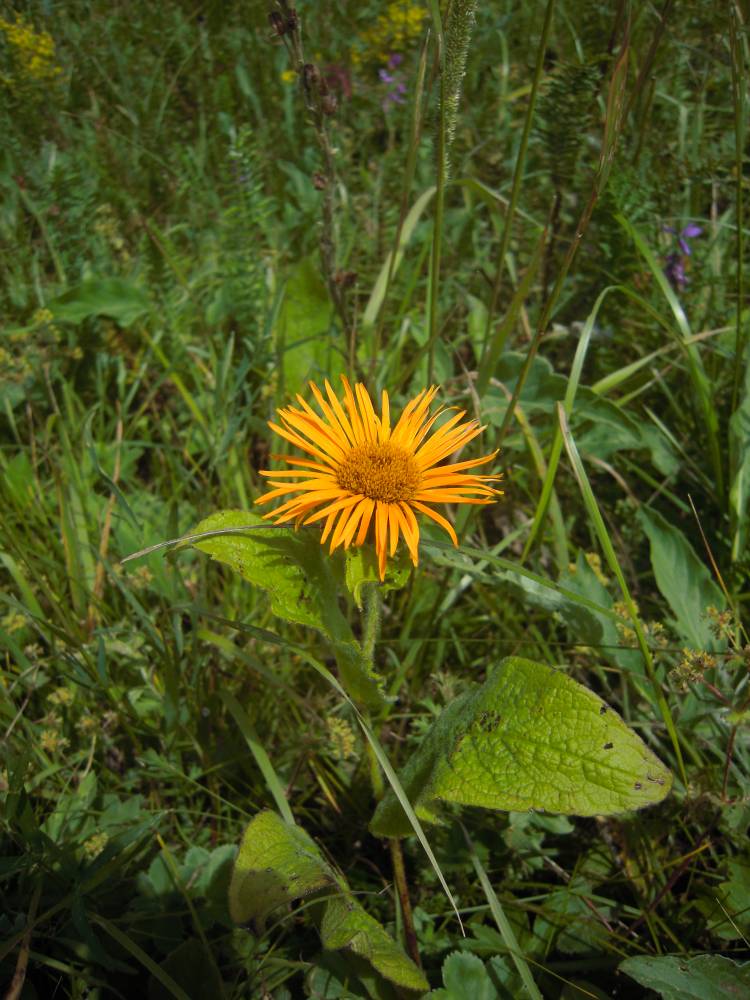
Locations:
{"points": [[402, 887], [370, 633]]}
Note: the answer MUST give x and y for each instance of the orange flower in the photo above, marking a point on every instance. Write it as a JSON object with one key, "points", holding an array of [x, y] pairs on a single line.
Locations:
{"points": [[364, 471]]}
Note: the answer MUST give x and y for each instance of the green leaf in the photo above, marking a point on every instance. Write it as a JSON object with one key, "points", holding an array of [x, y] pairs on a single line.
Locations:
{"points": [[277, 863], [739, 464], [191, 966], [541, 390], [303, 327], [113, 297], [602, 427], [583, 580], [388, 271], [730, 918], [291, 566], [682, 578], [362, 568], [529, 738], [346, 924], [464, 975], [703, 977], [297, 573]]}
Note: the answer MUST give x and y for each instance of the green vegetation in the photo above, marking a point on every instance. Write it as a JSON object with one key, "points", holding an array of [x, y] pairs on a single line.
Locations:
{"points": [[235, 766]]}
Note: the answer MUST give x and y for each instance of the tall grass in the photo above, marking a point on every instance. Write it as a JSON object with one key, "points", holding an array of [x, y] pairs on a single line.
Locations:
{"points": [[162, 292]]}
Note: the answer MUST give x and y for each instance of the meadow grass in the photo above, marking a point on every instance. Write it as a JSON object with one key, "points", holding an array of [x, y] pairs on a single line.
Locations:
{"points": [[190, 231]]}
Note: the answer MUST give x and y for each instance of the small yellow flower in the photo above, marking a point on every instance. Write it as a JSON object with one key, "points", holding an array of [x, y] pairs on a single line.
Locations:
{"points": [[14, 621], [395, 30], [61, 696], [288, 76], [51, 741], [42, 316], [32, 52], [142, 577], [595, 562], [87, 724], [96, 843], [342, 737], [366, 472]]}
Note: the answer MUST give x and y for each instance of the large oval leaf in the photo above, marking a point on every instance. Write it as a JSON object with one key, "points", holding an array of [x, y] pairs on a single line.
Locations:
{"points": [[529, 738]]}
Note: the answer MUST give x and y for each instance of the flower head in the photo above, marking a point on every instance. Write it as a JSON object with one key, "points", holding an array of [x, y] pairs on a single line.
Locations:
{"points": [[363, 471], [674, 266]]}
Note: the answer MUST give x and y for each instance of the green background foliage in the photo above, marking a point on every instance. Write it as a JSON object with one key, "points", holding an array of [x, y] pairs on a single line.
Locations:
{"points": [[164, 287]]}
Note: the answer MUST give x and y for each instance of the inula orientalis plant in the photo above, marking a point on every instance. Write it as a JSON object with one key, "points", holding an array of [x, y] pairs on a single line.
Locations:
{"points": [[529, 737]]}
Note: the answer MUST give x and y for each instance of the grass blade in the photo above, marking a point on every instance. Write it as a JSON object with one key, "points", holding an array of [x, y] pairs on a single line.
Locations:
{"points": [[503, 924], [610, 555], [698, 375], [138, 953], [259, 753]]}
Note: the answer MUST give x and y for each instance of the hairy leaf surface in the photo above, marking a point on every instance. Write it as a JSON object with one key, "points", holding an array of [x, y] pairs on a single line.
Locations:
{"points": [[529, 738]]}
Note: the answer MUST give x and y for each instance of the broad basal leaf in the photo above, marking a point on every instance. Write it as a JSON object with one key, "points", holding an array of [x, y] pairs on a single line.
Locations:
{"points": [[277, 863], [529, 738]]}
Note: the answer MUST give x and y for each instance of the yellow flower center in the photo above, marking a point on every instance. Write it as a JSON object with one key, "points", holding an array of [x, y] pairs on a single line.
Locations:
{"points": [[382, 472]]}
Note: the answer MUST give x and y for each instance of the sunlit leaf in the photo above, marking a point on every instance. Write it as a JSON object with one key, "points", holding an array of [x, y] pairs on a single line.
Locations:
{"points": [[529, 738], [277, 863]]}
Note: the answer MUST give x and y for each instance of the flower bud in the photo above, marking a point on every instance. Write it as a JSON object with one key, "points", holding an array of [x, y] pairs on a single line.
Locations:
{"points": [[277, 22], [310, 75], [328, 104], [345, 279]]}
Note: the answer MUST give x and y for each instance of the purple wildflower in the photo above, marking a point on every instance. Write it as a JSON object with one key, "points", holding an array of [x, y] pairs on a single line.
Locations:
{"points": [[674, 266], [674, 269], [394, 81], [690, 231]]}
